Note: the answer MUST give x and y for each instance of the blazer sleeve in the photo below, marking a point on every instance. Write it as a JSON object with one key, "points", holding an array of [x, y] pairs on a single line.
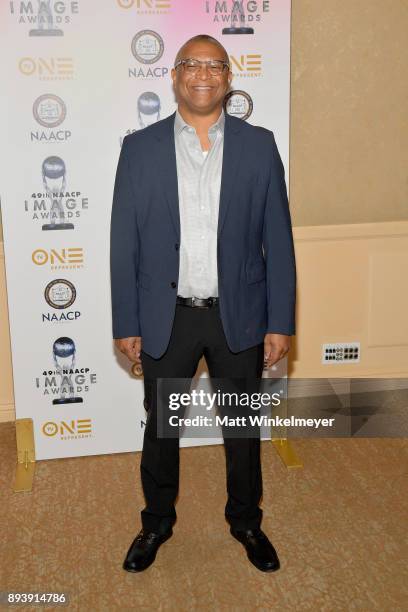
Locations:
{"points": [[279, 252], [124, 252]]}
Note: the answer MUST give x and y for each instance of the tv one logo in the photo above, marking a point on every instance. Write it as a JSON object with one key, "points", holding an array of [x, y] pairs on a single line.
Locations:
{"points": [[72, 257], [68, 430], [146, 6], [249, 64], [47, 69]]}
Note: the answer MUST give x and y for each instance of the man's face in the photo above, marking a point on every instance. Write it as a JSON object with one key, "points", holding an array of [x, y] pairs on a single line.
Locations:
{"points": [[201, 92]]}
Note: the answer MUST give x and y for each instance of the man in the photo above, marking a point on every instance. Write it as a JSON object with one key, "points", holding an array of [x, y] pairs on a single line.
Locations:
{"points": [[202, 263]]}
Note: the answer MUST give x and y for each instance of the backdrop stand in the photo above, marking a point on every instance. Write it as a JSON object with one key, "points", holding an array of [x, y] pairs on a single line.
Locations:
{"points": [[25, 455], [286, 452], [281, 443]]}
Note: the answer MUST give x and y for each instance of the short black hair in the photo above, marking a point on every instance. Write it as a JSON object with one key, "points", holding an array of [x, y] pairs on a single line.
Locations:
{"points": [[202, 38]]}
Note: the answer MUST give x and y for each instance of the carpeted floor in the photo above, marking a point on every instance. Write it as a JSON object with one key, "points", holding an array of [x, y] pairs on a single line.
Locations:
{"points": [[339, 526]]}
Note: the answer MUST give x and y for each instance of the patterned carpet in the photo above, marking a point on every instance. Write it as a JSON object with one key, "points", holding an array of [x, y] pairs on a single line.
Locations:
{"points": [[339, 526]]}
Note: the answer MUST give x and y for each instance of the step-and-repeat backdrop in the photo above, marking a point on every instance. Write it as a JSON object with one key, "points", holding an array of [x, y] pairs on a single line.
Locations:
{"points": [[78, 75]]}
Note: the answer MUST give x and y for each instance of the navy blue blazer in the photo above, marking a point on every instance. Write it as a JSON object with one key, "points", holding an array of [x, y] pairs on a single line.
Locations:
{"points": [[255, 253]]}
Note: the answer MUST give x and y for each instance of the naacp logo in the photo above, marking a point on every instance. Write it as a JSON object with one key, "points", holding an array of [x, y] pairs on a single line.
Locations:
{"points": [[60, 293], [49, 110], [239, 104], [147, 47]]}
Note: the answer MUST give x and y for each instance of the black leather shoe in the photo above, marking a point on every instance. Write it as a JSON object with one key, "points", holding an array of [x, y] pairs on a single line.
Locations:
{"points": [[260, 551], [143, 550]]}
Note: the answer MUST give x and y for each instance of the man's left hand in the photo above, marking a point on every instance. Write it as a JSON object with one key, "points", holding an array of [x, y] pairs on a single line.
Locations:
{"points": [[275, 347]]}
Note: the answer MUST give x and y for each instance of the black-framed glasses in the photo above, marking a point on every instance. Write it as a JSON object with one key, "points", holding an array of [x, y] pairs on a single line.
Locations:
{"points": [[193, 66]]}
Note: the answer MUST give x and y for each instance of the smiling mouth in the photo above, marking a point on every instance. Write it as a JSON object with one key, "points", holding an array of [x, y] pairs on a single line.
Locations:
{"points": [[202, 87]]}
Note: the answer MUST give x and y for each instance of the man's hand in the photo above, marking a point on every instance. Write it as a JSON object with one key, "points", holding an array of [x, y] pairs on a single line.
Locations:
{"points": [[131, 347], [275, 347]]}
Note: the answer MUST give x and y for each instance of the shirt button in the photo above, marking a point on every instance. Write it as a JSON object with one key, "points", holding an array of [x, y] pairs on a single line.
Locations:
{"points": [[201, 207], [173, 284], [202, 237]]}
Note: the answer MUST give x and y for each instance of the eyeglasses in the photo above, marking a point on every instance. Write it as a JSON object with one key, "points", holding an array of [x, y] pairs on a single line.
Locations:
{"points": [[193, 66]]}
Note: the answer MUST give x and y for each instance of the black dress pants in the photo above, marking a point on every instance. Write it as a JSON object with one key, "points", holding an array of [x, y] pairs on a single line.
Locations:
{"points": [[197, 332]]}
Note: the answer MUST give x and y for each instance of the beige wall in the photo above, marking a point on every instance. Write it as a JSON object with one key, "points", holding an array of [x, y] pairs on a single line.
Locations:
{"points": [[352, 287], [348, 188], [349, 100]]}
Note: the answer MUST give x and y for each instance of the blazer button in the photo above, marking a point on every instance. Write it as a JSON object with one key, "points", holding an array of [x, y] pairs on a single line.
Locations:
{"points": [[173, 284], [177, 246]]}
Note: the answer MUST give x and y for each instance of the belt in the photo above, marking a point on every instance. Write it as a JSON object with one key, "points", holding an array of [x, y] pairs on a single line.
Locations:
{"points": [[195, 302]]}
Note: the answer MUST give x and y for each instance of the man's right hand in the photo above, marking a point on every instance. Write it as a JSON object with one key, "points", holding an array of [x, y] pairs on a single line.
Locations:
{"points": [[131, 347]]}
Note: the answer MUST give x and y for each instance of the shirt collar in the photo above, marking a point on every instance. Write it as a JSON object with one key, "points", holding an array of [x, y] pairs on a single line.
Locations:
{"points": [[180, 124]]}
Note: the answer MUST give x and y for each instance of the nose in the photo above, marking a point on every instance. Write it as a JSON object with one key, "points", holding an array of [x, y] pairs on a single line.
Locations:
{"points": [[203, 71]]}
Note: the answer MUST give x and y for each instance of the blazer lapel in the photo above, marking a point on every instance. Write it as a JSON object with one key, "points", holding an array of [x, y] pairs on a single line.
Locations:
{"points": [[230, 160], [167, 168]]}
